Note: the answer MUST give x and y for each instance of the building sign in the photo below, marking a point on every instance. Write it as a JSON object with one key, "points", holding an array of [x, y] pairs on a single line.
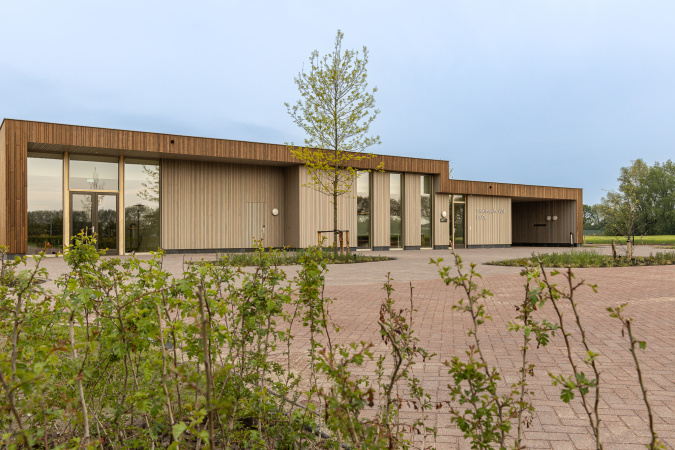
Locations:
{"points": [[481, 214]]}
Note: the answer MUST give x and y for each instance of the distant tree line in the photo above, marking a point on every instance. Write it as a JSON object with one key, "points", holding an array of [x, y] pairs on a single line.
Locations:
{"points": [[644, 203]]}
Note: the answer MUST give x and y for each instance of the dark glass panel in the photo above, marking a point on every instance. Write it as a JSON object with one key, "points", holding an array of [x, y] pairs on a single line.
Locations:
{"points": [[395, 211], [107, 221], [141, 205], [425, 187], [460, 214], [45, 203], [363, 210], [81, 214], [93, 173]]}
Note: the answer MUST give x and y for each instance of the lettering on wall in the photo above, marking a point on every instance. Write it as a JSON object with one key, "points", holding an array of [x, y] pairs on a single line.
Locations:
{"points": [[482, 214]]}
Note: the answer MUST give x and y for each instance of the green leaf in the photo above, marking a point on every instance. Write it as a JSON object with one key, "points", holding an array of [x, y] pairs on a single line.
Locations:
{"points": [[178, 429]]}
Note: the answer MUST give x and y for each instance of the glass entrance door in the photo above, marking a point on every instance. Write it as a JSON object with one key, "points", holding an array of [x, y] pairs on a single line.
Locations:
{"points": [[459, 225], [95, 213]]}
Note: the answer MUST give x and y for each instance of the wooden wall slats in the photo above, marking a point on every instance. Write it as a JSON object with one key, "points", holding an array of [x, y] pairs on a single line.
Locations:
{"points": [[441, 203], [19, 135], [495, 228], [3, 186], [316, 213], [206, 205], [528, 214], [379, 213], [292, 211], [412, 210]]}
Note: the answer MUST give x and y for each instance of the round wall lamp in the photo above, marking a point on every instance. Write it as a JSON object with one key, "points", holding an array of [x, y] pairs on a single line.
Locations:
{"points": [[548, 218], [275, 212], [444, 214], [555, 217]]}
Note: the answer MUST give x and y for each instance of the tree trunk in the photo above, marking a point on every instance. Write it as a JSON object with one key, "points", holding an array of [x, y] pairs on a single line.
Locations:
{"points": [[629, 249], [613, 249], [335, 220]]}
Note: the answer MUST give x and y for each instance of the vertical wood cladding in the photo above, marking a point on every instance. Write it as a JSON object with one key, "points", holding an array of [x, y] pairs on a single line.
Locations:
{"points": [[488, 220], [16, 136], [379, 209], [203, 204], [292, 213], [316, 213], [531, 227], [412, 210], [441, 230], [3, 185]]}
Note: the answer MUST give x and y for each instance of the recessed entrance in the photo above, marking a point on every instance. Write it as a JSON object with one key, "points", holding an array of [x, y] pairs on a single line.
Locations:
{"points": [[95, 213], [458, 225]]}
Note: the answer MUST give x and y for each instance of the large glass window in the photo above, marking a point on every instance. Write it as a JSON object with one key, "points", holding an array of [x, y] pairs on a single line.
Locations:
{"points": [[425, 189], [363, 210], [94, 173], [141, 205], [395, 210], [45, 203]]}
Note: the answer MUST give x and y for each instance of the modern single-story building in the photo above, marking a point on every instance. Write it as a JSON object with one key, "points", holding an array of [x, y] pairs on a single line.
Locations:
{"points": [[140, 191]]}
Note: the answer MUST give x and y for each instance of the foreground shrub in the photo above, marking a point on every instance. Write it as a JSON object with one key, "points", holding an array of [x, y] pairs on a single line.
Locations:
{"points": [[128, 356]]}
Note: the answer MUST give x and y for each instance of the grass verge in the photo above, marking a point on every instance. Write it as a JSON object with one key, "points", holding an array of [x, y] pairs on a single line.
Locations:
{"points": [[646, 240]]}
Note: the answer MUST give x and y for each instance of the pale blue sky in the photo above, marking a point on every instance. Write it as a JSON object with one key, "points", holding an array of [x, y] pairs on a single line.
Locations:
{"points": [[558, 93]]}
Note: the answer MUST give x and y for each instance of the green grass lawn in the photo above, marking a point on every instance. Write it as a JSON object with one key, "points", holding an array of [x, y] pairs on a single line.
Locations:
{"points": [[647, 240]]}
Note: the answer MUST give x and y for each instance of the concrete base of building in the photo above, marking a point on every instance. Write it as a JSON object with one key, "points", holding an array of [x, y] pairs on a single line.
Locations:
{"points": [[411, 247], [381, 248]]}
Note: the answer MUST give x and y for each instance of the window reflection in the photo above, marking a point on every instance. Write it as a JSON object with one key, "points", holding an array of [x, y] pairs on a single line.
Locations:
{"points": [[363, 210], [141, 205], [395, 211], [45, 203], [425, 187], [94, 173]]}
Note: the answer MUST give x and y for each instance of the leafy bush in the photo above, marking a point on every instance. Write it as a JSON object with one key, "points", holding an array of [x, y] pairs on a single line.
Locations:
{"points": [[127, 356], [286, 258]]}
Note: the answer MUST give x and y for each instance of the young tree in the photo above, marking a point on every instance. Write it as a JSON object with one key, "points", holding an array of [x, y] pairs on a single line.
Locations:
{"points": [[624, 211], [335, 110], [593, 219]]}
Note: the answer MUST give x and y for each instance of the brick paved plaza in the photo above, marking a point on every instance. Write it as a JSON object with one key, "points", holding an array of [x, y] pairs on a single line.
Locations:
{"points": [[649, 292]]}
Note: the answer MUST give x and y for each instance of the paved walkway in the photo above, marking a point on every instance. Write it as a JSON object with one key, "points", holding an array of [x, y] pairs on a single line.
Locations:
{"points": [[649, 292]]}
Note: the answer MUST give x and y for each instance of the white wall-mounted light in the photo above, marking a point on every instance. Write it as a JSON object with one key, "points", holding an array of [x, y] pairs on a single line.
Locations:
{"points": [[275, 212], [444, 214], [555, 217], [548, 218]]}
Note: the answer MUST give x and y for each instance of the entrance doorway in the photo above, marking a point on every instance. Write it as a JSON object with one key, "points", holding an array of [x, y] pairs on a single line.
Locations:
{"points": [[459, 222], [458, 226], [95, 213]]}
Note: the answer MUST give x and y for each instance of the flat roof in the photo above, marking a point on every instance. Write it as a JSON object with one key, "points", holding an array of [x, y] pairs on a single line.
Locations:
{"points": [[60, 138]]}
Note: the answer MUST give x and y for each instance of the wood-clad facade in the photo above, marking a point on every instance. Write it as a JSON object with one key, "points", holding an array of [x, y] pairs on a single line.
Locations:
{"points": [[221, 206], [488, 221], [219, 194], [536, 223]]}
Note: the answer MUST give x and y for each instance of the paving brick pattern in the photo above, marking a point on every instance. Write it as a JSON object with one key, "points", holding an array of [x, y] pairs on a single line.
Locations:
{"points": [[649, 292]]}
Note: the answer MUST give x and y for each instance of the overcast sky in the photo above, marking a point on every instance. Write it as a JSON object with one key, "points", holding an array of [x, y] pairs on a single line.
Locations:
{"points": [[559, 93]]}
